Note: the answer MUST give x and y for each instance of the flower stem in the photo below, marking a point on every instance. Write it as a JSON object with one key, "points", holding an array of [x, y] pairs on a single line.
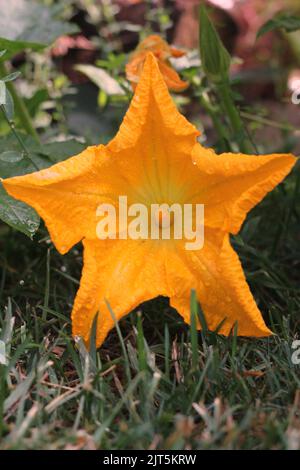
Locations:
{"points": [[218, 125], [18, 138], [233, 115], [24, 117]]}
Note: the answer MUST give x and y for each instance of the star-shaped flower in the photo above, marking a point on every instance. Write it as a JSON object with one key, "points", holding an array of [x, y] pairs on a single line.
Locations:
{"points": [[155, 158]]}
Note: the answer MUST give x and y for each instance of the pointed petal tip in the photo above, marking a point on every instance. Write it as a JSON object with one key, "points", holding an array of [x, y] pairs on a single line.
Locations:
{"points": [[150, 66], [263, 332], [293, 158], [290, 158], [151, 60]]}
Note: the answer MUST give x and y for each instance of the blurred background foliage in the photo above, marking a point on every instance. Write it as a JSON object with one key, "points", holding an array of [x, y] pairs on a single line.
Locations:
{"points": [[62, 101]]}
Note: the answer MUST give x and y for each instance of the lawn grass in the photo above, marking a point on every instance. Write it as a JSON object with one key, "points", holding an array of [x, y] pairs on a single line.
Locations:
{"points": [[156, 383]]}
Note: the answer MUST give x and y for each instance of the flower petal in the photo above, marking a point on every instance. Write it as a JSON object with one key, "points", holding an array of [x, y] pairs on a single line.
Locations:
{"points": [[171, 77], [162, 52], [232, 184], [154, 144], [221, 288], [124, 273], [67, 194], [151, 92]]}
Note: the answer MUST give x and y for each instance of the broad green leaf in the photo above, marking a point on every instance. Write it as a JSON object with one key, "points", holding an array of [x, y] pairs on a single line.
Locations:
{"points": [[43, 155], [11, 156], [17, 214], [284, 21], [9, 142], [15, 167], [26, 24], [59, 151], [13, 162], [102, 79]]}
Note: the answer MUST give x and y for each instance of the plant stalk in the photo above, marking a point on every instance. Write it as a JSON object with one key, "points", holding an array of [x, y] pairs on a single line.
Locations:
{"points": [[21, 110], [18, 138], [218, 125], [234, 116]]}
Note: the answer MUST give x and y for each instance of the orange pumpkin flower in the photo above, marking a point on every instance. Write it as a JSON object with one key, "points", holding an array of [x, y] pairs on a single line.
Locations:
{"points": [[163, 52], [155, 158]]}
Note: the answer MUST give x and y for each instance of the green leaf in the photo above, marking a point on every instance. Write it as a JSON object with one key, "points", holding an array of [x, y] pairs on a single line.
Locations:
{"points": [[215, 58], [13, 162], [6, 100], [43, 155], [11, 156], [102, 79], [12, 76], [17, 214], [34, 102], [11, 167], [193, 329], [93, 339], [102, 99], [59, 151], [3, 360], [2, 53], [2, 93], [20, 390], [9, 105], [284, 21], [26, 24]]}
